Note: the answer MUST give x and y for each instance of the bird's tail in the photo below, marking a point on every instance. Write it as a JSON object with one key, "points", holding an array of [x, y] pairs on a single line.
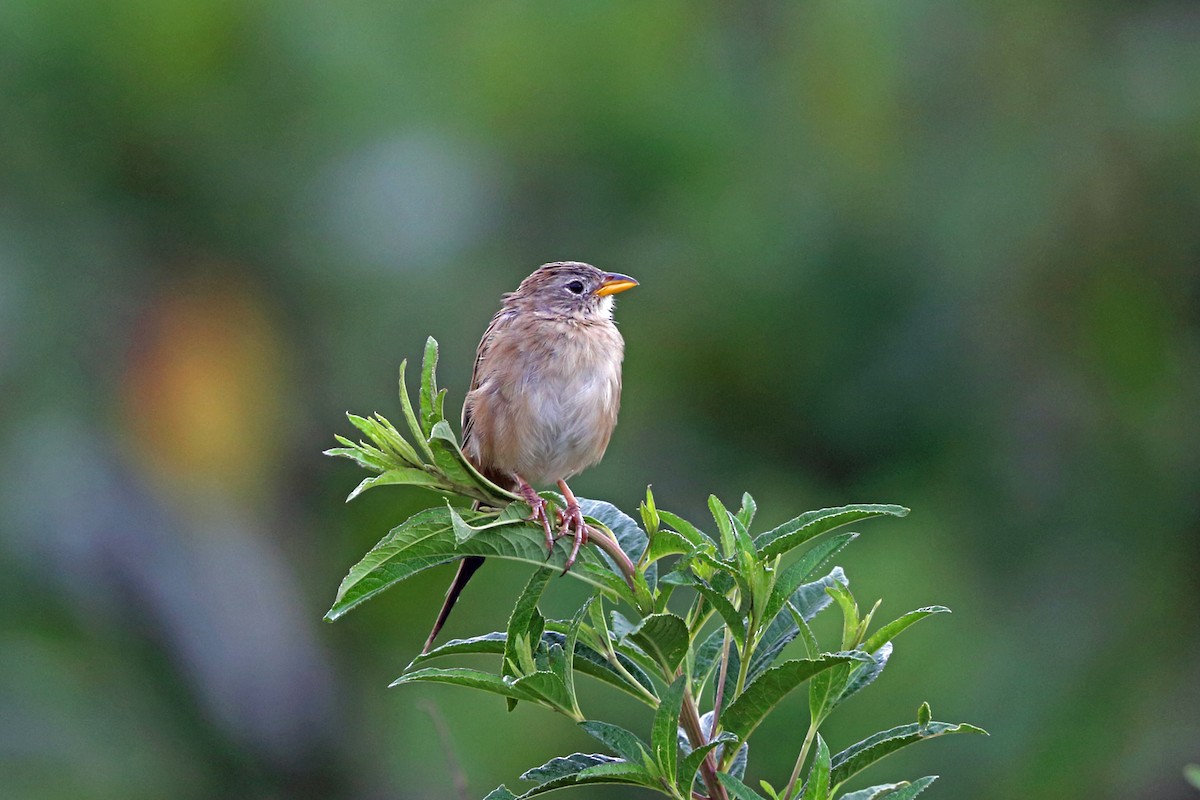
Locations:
{"points": [[466, 568]]}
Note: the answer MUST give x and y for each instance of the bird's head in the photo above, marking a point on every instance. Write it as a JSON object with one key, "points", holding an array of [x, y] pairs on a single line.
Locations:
{"points": [[571, 289]]}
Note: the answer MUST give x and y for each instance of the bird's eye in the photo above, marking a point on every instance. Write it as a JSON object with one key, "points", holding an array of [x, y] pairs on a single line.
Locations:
{"points": [[576, 287]]}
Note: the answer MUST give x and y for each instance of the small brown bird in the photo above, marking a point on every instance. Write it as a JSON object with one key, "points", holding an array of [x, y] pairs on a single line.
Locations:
{"points": [[544, 395]]}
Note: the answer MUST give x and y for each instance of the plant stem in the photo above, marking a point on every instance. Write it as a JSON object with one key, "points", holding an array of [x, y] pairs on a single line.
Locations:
{"points": [[808, 740], [690, 719], [719, 692], [611, 547]]}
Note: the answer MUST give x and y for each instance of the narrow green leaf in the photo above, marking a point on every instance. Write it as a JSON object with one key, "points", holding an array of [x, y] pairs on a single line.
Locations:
{"points": [[732, 618], [845, 600], [859, 756], [865, 674], [429, 392], [746, 513], [893, 628], [664, 637], [686, 529], [814, 523], [707, 655], [366, 457], [909, 791], [721, 515], [587, 660], [471, 678], [792, 577], [924, 715], [666, 543], [582, 768], [620, 741], [875, 792], [525, 623], [744, 714], [664, 734], [649, 512], [690, 764], [548, 688], [808, 600], [411, 418], [738, 790], [571, 647], [449, 457], [817, 785], [427, 539], [407, 476]]}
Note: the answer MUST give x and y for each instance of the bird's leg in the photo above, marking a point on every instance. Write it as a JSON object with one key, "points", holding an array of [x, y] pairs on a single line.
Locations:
{"points": [[538, 504], [572, 523]]}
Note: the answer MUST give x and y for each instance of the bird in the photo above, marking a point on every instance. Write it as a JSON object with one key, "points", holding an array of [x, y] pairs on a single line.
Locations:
{"points": [[544, 396]]}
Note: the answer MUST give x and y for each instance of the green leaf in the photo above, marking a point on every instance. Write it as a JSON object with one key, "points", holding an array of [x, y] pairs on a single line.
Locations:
{"points": [[587, 660], [571, 647], [664, 637], [449, 456], [864, 675], [893, 628], [500, 793], [859, 756], [808, 600], [892, 791], [427, 539], [1191, 774], [525, 625], [664, 734], [744, 714], [411, 418], [790, 580], [686, 529], [430, 400], [649, 512], [720, 515], [811, 524], [690, 764], [583, 768], [738, 790], [924, 715], [471, 678], [746, 513], [404, 476], [733, 619], [389, 445], [549, 689], [909, 791], [624, 743], [817, 786], [365, 456], [666, 543], [707, 655]]}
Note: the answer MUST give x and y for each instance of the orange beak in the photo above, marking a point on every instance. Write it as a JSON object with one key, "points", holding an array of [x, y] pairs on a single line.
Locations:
{"points": [[615, 282]]}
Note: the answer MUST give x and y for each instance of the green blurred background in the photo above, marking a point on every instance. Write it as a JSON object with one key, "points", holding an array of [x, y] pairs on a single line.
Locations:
{"points": [[945, 254]]}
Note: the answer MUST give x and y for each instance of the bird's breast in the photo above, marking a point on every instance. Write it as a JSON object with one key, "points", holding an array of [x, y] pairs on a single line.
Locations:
{"points": [[564, 406]]}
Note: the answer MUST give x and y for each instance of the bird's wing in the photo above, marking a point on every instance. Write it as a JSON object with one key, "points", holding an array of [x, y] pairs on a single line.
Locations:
{"points": [[502, 318]]}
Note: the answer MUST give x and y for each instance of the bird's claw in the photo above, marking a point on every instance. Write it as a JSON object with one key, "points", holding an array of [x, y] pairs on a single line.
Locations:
{"points": [[571, 520], [538, 505]]}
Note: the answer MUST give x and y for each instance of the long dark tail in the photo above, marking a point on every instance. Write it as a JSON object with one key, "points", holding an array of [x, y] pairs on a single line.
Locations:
{"points": [[466, 568]]}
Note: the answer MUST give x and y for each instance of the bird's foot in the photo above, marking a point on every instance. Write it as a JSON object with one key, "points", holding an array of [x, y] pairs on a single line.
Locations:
{"points": [[538, 505], [571, 521]]}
